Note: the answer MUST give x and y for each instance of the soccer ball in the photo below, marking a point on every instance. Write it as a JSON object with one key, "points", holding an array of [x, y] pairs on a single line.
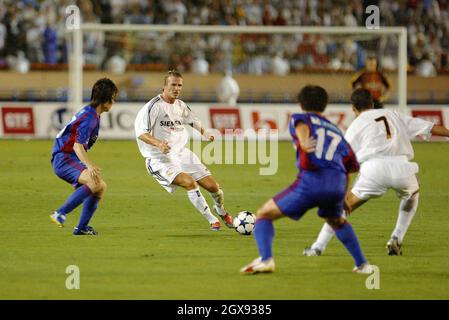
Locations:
{"points": [[244, 222]]}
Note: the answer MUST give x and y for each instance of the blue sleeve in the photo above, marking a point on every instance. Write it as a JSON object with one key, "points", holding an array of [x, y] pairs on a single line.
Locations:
{"points": [[84, 130]]}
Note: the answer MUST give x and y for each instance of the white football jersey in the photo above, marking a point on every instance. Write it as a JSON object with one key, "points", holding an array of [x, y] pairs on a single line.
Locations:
{"points": [[164, 121], [382, 132]]}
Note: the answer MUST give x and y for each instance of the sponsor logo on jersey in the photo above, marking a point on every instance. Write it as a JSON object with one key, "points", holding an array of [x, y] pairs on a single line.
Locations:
{"points": [[169, 123]]}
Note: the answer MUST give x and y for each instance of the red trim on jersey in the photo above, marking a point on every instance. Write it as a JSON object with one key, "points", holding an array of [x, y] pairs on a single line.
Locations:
{"points": [[68, 145], [305, 162], [73, 163], [350, 162]]}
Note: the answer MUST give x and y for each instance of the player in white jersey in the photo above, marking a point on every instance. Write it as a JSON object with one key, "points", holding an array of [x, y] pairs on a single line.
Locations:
{"points": [[381, 140], [162, 138]]}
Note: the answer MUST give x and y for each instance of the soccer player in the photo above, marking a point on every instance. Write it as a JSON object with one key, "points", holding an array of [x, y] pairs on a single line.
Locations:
{"points": [[162, 138], [381, 140], [324, 160], [373, 80], [71, 163]]}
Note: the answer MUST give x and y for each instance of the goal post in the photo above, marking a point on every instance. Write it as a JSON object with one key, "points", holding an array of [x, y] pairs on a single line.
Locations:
{"points": [[76, 45], [75, 57]]}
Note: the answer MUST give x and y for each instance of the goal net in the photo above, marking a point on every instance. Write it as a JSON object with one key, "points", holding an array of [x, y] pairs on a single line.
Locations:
{"points": [[270, 63]]}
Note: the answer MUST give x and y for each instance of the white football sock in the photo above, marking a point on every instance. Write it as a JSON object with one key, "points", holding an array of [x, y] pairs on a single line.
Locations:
{"points": [[200, 204], [325, 236], [407, 210], [218, 198]]}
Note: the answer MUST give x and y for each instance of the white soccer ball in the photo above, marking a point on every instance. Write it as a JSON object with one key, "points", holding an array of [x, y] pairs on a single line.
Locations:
{"points": [[244, 222]]}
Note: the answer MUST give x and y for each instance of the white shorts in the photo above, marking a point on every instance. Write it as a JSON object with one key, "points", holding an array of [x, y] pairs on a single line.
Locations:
{"points": [[165, 169], [380, 174]]}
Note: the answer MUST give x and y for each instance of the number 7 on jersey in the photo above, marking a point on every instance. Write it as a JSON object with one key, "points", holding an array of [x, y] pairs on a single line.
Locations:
{"points": [[387, 126]]}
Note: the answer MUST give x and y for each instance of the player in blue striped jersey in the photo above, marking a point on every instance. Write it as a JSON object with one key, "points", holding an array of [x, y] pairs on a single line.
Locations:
{"points": [[71, 163], [324, 160]]}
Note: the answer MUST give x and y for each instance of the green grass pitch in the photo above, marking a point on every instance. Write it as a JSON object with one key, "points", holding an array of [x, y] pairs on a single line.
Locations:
{"points": [[153, 245]]}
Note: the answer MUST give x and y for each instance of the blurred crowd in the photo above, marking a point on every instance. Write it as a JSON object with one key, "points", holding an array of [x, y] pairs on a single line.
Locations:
{"points": [[33, 31]]}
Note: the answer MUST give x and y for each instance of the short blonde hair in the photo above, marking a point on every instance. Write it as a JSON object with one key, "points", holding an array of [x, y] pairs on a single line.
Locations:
{"points": [[172, 73]]}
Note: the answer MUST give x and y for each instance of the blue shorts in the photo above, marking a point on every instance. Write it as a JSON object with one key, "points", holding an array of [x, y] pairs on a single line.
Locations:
{"points": [[68, 167], [324, 189]]}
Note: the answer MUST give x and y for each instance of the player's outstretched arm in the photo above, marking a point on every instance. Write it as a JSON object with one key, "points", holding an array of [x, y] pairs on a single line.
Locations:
{"points": [[438, 130], [197, 126], [209, 136], [346, 203], [160, 144]]}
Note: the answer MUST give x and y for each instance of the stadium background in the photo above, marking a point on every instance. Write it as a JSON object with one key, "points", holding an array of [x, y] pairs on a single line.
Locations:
{"points": [[34, 58], [33, 93]]}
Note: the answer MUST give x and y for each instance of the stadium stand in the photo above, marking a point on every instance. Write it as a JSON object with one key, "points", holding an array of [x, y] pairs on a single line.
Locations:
{"points": [[32, 37]]}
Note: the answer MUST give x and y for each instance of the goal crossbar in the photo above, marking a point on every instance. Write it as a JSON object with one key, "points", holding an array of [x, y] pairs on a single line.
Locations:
{"points": [[239, 29]]}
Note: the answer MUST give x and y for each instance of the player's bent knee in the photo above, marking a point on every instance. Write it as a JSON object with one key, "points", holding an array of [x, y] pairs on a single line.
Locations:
{"points": [[214, 188], [190, 184], [97, 188], [268, 215], [263, 215], [93, 187], [186, 182], [269, 210], [209, 184]]}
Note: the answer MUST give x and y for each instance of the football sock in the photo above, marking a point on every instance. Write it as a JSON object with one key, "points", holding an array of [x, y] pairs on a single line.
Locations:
{"points": [[77, 197], [89, 207], [324, 237], [407, 210], [264, 234], [200, 204], [218, 198], [349, 239]]}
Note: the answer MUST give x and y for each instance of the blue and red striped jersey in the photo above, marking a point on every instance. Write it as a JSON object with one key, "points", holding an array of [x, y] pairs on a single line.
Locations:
{"points": [[83, 128], [332, 150]]}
